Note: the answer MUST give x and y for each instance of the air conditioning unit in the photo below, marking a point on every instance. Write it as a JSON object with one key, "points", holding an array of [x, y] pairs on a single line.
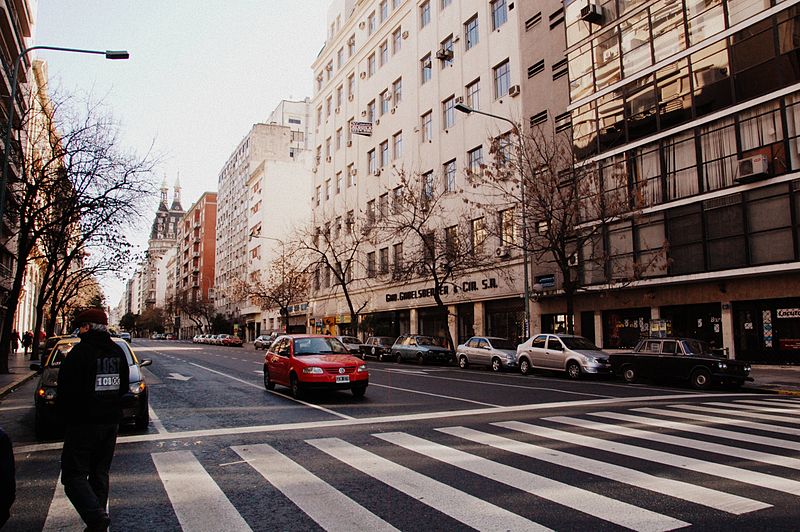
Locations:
{"points": [[592, 12], [459, 99], [328, 159], [353, 171], [349, 143], [514, 90], [444, 54], [363, 113], [337, 110], [350, 98], [752, 168], [362, 25], [502, 252], [362, 75], [609, 55], [405, 34], [573, 260], [377, 171]]}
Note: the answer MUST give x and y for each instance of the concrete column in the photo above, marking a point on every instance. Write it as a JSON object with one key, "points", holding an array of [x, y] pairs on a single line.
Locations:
{"points": [[452, 322], [536, 317], [413, 327], [479, 320], [598, 328], [727, 328]]}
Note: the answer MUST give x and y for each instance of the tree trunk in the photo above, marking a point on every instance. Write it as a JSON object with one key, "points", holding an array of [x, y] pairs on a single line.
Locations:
{"points": [[11, 310]]}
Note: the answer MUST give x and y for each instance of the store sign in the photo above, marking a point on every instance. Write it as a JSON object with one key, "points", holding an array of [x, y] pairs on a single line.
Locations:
{"points": [[546, 282], [466, 286], [361, 128], [788, 313]]}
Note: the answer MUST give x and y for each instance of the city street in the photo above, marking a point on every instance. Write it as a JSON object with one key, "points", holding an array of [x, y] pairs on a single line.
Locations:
{"points": [[428, 447]]}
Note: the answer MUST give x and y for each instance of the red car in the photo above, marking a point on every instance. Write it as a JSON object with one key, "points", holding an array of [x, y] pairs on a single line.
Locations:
{"points": [[306, 362], [232, 340]]}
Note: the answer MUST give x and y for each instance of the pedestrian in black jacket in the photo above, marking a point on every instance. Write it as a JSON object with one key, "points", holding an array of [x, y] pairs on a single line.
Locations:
{"points": [[92, 380], [8, 486]]}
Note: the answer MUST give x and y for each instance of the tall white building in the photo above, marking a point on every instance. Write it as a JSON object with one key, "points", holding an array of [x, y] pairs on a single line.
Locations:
{"points": [[264, 191], [402, 66]]}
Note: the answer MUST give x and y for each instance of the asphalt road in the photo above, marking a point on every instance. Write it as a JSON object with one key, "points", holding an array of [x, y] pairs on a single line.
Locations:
{"points": [[428, 447]]}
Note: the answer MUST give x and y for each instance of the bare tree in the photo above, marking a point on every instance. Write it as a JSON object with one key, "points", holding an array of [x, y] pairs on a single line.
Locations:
{"points": [[564, 209], [443, 237], [200, 311], [73, 170]]}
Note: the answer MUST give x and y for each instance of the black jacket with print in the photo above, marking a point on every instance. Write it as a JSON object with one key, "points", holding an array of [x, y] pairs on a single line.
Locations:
{"points": [[92, 380]]}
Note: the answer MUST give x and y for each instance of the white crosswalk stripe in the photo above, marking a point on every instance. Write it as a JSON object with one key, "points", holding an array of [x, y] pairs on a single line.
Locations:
{"points": [[199, 503], [755, 408], [737, 413], [781, 401], [61, 516], [673, 488], [764, 427], [461, 506], [310, 493], [762, 402], [582, 500]]}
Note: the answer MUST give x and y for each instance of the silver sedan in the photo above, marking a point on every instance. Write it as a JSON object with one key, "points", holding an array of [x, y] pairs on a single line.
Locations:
{"points": [[497, 353]]}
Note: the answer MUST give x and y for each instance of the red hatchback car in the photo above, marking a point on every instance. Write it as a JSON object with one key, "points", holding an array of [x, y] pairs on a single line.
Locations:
{"points": [[306, 362]]}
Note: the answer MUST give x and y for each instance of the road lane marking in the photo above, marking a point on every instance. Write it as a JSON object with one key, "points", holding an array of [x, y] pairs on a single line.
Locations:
{"points": [[322, 408], [423, 416], [310, 493], [729, 450], [198, 502], [701, 429], [454, 503], [138, 349], [738, 413], [722, 421], [715, 469], [156, 421], [436, 395], [9, 408], [588, 502], [673, 488], [61, 516]]}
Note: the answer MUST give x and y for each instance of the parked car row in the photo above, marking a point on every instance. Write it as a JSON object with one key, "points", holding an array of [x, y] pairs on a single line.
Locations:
{"points": [[162, 336], [229, 340]]}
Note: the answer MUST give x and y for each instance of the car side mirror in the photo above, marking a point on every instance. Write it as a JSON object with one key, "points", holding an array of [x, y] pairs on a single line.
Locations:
{"points": [[36, 367], [145, 362]]}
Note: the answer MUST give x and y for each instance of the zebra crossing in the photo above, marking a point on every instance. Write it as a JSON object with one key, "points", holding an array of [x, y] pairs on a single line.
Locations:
{"points": [[642, 468]]}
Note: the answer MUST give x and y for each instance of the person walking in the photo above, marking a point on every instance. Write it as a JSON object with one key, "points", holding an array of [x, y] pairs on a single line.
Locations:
{"points": [[92, 381], [27, 341], [14, 341]]}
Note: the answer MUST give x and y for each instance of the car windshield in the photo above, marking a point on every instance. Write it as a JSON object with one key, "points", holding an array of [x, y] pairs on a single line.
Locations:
{"points": [[386, 341], [61, 350], [578, 343], [696, 347], [426, 340], [502, 343], [350, 340], [316, 346]]}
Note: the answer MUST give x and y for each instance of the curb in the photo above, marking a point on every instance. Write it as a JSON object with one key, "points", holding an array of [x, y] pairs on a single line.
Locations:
{"points": [[7, 389]]}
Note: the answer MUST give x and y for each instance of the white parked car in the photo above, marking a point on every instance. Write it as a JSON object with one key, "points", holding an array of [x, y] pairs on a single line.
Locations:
{"points": [[497, 353], [574, 355]]}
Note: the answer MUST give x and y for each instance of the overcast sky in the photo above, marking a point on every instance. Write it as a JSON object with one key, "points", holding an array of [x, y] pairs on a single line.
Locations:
{"points": [[201, 73]]}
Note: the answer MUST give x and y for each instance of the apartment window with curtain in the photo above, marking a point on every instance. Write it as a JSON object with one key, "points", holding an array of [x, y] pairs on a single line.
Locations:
{"points": [[474, 94], [448, 112], [680, 156], [397, 40], [471, 33], [499, 13], [397, 142], [385, 100], [424, 13], [508, 228], [450, 176], [372, 164], [426, 68], [427, 126], [502, 79]]}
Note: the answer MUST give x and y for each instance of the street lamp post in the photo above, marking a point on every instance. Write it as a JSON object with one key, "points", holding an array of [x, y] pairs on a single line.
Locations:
{"points": [[109, 54], [526, 287]]}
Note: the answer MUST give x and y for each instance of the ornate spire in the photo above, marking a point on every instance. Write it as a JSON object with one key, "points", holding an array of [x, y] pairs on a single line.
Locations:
{"points": [[164, 191], [176, 199]]}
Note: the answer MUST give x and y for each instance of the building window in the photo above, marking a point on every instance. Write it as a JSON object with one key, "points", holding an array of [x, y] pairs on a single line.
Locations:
{"points": [[384, 153], [396, 3], [478, 233], [397, 40], [328, 106], [338, 139], [351, 46], [475, 160], [448, 112], [351, 175], [371, 272], [339, 96], [451, 242], [385, 99], [427, 127], [371, 111], [371, 23], [499, 13], [383, 51], [383, 10], [446, 3], [339, 182], [397, 144], [427, 185], [340, 58], [424, 14], [397, 91], [471, 32], [447, 47], [384, 260], [371, 161], [317, 194], [474, 94], [397, 251], [371, 65], [383, 206], [508, 236], [351, 86], [327, 189], [397, 200], [371, 212], [426, 69], [328, 147], [502, 79], [450, 176]]}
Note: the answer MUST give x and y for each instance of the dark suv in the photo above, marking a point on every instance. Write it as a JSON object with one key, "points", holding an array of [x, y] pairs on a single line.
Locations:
{"points": [[379, 347]]}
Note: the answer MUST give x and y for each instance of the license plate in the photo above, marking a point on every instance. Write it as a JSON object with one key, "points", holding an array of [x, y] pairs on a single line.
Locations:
{"points": [[106, 382], [342, 378]]}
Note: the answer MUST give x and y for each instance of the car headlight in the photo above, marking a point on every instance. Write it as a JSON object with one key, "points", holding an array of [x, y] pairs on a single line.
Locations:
{"points": [[722, 365], [314, 370], [590, 360], [747, 368], [362, 367], [511, 358], [136, 387]]}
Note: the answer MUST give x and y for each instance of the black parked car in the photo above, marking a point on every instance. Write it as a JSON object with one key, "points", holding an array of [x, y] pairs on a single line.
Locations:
{"points": [[379, 347], [135, 404], [683, 359]]}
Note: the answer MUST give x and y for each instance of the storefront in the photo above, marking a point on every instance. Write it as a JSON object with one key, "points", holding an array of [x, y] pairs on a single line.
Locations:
{"points": [[622, 328], [767, 330], [505, 318], [703, 322], [466, 322], [392, 323], [433, 322]]}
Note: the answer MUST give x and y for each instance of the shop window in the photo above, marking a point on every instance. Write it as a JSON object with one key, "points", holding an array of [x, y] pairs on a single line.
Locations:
{"points": [[711, 73], [623, 328], [718, 145], [724, 226], [685, 236], [680, 157]]}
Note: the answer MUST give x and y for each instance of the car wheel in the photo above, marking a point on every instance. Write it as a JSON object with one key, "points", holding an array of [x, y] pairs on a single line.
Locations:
{"points": [[295, 388], [359, 391], [398, 358], [496, 365], [375, 354], [463, 363], [574, 370], [630, 374], [524, 366], [142, 421], [268, 384], [701, 379]]}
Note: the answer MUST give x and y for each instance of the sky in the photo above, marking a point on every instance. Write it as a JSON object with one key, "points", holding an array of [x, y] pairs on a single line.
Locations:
{"points": [[201, 72]]}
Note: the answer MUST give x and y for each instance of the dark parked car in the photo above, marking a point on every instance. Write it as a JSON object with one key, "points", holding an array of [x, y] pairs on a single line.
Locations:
{"points": [[135, 405], [680, 358], [421, 348], [379, 347], [497, 353]]}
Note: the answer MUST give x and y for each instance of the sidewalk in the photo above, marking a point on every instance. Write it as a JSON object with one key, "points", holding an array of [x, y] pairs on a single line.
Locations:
{"points": [[18, 365], [780, 379]]}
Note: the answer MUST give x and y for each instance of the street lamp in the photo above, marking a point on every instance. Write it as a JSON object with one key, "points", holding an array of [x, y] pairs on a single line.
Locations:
{"points": [[109, 54], [527, 293]]}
